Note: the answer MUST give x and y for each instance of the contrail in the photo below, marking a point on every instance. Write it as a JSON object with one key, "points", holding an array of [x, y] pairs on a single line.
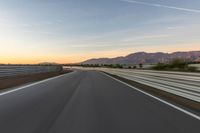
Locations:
{"points": [[163, 6]]}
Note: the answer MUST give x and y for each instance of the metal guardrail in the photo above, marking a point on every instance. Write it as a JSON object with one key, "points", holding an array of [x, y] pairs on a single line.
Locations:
{"points": [[182, 84], [8, 70]]}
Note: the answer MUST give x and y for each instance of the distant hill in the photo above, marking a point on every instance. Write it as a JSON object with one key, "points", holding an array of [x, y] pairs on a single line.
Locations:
{"points": [[146, 58]]}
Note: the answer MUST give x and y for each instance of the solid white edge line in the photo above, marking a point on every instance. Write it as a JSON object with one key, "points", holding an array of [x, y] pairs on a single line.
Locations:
{"points": [[36, 83], [163, 101]]}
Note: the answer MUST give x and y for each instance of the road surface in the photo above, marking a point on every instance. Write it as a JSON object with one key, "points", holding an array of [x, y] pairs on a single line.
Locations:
{"points": [[88, 102]]}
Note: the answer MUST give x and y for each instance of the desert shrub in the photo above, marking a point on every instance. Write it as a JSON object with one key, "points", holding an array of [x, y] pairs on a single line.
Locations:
{"points": [[160, 66], [175, 64], [178, 63], [141, 65]]}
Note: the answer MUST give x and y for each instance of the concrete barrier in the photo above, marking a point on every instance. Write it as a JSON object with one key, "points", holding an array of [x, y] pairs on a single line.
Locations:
{"points": [[13, 70]]}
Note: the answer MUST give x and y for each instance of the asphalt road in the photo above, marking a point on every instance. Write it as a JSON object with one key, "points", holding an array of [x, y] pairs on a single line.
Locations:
{"points": [[88, 102]]}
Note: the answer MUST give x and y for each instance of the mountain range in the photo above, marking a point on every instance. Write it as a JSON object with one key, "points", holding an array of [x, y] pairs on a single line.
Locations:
{"points": [[147, 58]]}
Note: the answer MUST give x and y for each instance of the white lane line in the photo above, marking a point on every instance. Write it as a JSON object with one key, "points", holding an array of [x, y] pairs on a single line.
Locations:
{"points": [[36, 83], [163, 101]]}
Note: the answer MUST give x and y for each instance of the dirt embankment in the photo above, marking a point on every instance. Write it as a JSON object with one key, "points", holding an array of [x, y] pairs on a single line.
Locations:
{"points": [[8, 82]]}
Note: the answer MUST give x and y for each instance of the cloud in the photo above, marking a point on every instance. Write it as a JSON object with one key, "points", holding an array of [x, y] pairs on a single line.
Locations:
{"points": [[39, 32], [163, 6], [175, 27], [145, 37]]}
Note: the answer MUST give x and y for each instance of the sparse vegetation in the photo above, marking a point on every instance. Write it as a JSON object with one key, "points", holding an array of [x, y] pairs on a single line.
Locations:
{"points": [[176, 65], [103, 65], [141, 65]]}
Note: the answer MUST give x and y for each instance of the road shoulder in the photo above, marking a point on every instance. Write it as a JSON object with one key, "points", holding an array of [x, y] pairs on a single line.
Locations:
{"points": [[191, 106]]}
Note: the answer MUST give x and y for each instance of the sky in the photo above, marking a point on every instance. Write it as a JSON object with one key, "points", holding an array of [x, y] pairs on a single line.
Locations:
{"points": [[70, 31]]}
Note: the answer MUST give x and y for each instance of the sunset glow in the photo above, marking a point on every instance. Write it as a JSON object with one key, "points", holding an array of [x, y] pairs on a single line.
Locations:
{"points": [[73, 31]]}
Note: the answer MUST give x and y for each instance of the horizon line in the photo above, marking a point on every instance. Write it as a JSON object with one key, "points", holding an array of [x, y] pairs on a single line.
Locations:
{"points": [[39, 63]]}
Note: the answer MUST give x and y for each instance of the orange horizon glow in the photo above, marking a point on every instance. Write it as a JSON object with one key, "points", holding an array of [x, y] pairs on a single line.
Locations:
{"points": [[67, 59]]}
